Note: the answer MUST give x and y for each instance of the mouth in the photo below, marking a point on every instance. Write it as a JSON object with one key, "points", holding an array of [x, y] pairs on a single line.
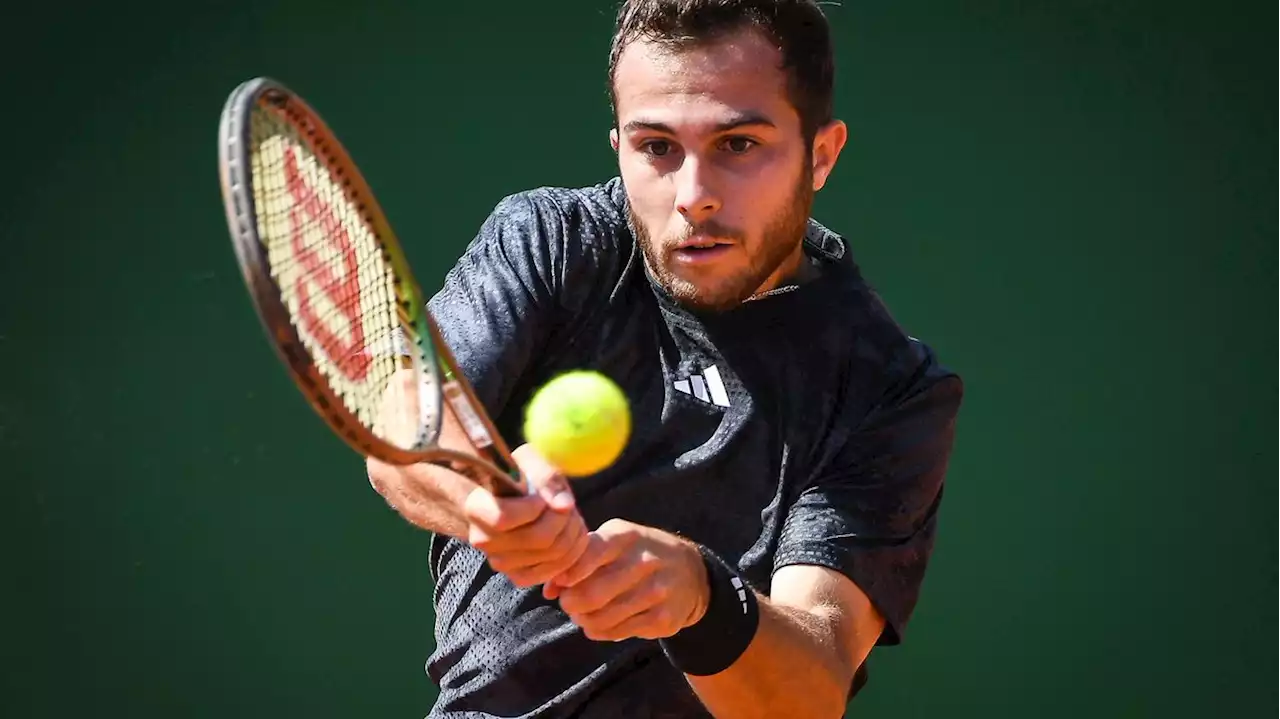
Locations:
{"points": [[702, 242], [700, 248], [697, 254]]}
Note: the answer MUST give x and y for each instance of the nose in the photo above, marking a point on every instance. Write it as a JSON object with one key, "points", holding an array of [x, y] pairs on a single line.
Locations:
{"points": [[696, 197]]}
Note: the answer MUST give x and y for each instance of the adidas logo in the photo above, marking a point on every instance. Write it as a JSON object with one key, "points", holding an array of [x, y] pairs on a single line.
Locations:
{"points": [[742, 592], [706, 386]]}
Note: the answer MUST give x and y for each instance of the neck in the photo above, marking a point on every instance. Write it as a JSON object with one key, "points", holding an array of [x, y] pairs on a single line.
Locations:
{"points": [[794, 271]]}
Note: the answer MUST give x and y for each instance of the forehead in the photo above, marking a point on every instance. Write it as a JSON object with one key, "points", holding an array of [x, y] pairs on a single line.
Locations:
{"points": [[740, 72]]}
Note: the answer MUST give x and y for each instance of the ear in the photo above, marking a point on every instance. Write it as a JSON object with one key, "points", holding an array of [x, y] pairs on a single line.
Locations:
{"points": [[613, 139], [827, 144]]}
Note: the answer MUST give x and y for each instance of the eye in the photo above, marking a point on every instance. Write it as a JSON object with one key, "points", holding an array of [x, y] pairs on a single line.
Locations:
{"points": [[655, 148], [739, 145]]}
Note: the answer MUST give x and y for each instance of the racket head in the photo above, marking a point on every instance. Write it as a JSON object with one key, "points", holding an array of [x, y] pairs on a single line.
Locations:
{"points": [[334, 291]]}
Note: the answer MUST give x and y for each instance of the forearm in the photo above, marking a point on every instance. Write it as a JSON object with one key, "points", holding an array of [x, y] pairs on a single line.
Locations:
{"points": [[793, 667], [793, 653], [429, 496], [436, 502]]}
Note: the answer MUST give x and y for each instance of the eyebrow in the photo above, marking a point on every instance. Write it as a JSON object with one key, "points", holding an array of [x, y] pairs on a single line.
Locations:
{"points": [[742, 120]]}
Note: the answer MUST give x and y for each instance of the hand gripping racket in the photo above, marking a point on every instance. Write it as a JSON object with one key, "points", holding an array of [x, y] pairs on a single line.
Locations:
{"points": [[336, 296]]}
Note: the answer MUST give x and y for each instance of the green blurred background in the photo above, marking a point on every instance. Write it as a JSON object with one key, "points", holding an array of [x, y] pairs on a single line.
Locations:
{"points": [[1073, 201]]}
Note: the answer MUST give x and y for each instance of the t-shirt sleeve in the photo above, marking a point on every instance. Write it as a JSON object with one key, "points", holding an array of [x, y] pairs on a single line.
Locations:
{"points": [[496, 304], [872, 513]]}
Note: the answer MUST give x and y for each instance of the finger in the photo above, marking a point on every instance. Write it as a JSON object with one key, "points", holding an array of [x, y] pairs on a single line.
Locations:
{"points": [[652, 623], [603, 586], [498, 544], [525, 549], [600, 551], [542, 573], [614, 533], [547, 481], [608, 621], [482, 508]]}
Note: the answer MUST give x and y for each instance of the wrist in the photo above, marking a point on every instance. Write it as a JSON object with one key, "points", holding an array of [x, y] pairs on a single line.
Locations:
{"points": [[724, 627], [701, 581]]}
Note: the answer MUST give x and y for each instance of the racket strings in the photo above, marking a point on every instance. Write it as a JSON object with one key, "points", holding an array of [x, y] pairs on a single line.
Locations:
{"points": [[338, 288]]}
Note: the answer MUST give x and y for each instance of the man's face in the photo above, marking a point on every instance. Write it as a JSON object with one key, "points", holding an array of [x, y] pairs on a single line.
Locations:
{"points": [[719, 180]]}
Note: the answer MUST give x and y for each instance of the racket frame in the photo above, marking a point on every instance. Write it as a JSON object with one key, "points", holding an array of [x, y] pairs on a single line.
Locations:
{"points": [[498, 472]]}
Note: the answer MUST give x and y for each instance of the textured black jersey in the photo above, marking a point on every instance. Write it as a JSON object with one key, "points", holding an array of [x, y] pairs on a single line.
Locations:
{"points": [[805, 427]]}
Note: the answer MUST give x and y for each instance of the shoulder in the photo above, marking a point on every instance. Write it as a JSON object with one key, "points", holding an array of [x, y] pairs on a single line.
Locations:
{"points": [[593, 215], [573, 243], [889, 362]]}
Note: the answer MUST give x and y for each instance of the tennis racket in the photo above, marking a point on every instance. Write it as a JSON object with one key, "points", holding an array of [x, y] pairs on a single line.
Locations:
{"points": [[336, 296]]}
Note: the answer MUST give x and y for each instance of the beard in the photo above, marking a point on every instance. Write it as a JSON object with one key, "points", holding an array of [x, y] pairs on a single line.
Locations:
{"points": [[782, 236]]}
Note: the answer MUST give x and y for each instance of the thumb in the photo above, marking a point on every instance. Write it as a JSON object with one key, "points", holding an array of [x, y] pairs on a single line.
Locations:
{"points": [[547, 481]]}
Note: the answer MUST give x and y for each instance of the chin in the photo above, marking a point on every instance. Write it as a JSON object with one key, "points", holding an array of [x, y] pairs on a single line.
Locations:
{"points": [[693, 297]]}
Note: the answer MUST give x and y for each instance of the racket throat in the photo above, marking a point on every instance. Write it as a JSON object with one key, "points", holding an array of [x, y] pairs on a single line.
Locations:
{"points": [[467, 416]]}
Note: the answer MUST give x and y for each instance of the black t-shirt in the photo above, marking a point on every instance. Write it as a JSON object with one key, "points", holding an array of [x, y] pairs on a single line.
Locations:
{"points": [[804, 427]]}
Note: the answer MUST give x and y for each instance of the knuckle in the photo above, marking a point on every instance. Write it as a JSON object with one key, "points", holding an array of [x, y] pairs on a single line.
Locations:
{"points": [[614, 526], [620, 531], [580, 550], [571, 546], [559, 565], [661, 616], [659, 591], [537, 537], [554, 532], [500, 518], [574, 560], [587, 596]]}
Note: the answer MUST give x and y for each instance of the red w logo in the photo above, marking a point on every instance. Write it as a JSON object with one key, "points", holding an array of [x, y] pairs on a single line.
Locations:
{"points": [[343, 292]]}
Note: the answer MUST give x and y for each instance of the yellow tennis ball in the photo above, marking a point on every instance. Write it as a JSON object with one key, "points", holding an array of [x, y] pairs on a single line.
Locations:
{"points": [[579, 421]]}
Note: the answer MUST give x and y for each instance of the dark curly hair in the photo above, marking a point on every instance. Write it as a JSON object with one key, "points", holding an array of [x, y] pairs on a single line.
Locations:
{"points": [[798, 28]]}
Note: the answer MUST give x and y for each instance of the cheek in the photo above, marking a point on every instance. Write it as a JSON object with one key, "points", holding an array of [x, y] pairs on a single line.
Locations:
{"points": [[763, 189], [651, 194], [756, 200]]}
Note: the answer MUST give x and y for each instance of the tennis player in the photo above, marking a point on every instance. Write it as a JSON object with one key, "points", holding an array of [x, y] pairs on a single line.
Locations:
{"points": [[772, 517]]}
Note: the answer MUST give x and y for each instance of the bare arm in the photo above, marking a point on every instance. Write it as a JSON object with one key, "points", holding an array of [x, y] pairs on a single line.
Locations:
{"points": [[429, 496], [814, 633], [880, 504], [530, 539], [799, 658]]}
